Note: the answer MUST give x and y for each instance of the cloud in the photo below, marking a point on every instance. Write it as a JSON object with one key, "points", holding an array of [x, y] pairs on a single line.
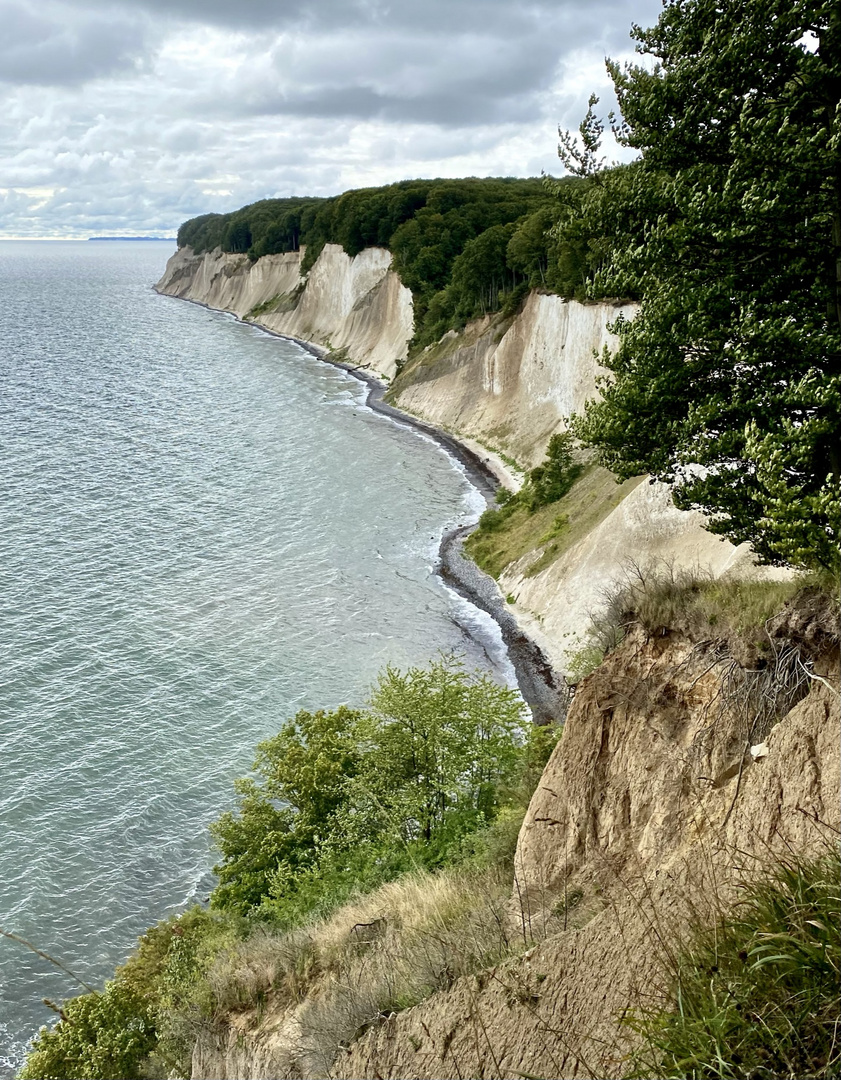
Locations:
{"points": [[52, 44], [140, 117], [475, 80]]}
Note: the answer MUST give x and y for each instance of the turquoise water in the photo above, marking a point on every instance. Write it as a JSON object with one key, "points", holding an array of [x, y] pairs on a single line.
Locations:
{"points": [[202, 530]]}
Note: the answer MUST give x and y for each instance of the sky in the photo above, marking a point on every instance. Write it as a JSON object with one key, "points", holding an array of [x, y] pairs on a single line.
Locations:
{"points": [[128, 117]]}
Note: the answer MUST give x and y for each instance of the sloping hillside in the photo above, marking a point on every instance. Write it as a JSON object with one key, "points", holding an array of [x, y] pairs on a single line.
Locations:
{"points": [[689, 765]]}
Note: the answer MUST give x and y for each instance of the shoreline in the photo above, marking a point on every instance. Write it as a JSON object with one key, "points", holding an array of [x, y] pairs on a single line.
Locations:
{"points": [[544, 690]]}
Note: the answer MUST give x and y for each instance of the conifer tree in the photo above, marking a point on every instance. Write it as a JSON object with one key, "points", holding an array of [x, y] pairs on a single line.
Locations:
{"points": [[727, 384]]}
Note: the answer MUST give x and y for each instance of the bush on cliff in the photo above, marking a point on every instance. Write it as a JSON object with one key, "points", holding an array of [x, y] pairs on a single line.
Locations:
{"points": [[141, 1024], [347, 799], [109, 1034]]}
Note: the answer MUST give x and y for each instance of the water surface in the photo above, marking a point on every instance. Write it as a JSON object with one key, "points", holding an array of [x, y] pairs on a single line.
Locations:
{"points": [[202, 530]]}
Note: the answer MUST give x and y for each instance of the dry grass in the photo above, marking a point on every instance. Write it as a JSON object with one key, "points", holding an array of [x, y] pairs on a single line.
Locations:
{"points": [[662, 598], [374, 956], [404, 935]]}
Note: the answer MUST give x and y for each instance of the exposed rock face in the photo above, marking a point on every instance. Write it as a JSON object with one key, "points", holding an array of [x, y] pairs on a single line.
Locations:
{"points": [[515, 391], [648, 815], [555, 606], [353, 304]]}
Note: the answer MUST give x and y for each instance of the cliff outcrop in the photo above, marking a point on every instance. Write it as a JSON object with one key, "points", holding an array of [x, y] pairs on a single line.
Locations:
{"points": [[684, 770], [512, 386], [502, 386], [354, 306]]}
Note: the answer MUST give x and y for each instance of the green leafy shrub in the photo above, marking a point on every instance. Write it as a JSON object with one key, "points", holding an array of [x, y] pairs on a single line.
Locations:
{"points": [[495, 516], [342, 801], [289, 810], [553, 478], [144, 1020], [99, 1035]]}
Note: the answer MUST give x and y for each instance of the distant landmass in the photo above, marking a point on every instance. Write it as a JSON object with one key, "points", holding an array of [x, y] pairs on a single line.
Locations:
{"points": [[171, 239]]}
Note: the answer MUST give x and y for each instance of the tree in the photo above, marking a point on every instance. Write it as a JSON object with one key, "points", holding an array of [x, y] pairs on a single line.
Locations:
{"points": [[727, 383], [479, 273], [289, 810], [527, 252], [238, 237], [351, 798], [439, 751], [553, 478]]}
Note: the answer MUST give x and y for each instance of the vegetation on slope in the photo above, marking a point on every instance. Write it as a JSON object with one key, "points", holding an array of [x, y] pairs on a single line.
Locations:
{"points": [[436, 773], [348, 799], [513, 530], [759, 994]]}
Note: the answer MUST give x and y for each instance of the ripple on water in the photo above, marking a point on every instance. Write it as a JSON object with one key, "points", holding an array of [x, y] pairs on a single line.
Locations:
{"points": [[203, 530]]}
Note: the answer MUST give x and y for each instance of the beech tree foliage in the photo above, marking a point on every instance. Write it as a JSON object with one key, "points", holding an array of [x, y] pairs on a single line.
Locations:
{"points": [[351, 798], [727, 384]]}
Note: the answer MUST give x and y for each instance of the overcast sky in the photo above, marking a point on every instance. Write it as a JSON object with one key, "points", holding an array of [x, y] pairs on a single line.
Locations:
{"points": [[128, 117]]}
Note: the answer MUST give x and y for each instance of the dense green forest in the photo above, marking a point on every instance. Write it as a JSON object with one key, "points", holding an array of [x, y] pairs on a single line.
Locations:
{"points": [[464, 247]]}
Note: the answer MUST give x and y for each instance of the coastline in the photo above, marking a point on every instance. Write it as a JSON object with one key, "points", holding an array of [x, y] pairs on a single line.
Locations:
{"points": [[544, 690]]}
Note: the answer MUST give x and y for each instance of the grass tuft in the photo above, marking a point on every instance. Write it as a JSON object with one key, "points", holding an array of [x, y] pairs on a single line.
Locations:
{"points": [[661, 598], [759, 995]]}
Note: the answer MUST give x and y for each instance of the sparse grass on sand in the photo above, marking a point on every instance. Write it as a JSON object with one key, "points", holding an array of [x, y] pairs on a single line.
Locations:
{"points": [[759, 994], [508, 534]]}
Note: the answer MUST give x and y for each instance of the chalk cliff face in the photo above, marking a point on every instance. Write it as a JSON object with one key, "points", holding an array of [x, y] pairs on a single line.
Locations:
{"points": [[515, 390], [649, 815], [509, 387], [354, 305]]}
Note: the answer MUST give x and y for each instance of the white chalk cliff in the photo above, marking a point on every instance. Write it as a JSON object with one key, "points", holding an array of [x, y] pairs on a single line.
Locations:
{"points": [[357, 306], [505, 386]]}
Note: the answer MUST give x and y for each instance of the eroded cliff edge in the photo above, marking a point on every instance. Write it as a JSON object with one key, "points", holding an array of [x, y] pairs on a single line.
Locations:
{"points": [[502, 386], [650, 814]]}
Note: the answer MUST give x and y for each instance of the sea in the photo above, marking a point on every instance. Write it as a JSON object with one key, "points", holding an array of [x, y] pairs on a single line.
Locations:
{"points": [[203, 529]]}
